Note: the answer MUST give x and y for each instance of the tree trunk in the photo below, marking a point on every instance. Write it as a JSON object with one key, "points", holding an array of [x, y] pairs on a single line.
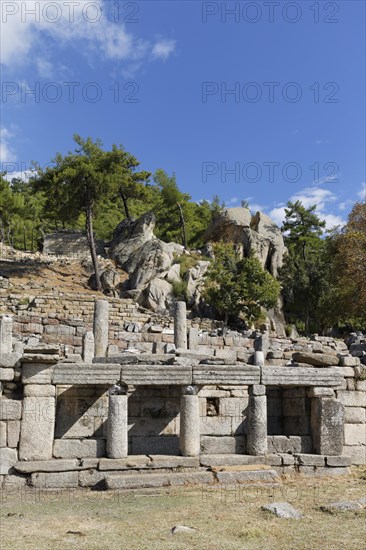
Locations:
{"points": [[183, 225], [125, 205], [93, 252]]}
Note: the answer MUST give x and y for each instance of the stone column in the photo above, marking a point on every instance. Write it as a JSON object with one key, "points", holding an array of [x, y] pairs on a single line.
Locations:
{"points": [[180, 325], [257, 421], [117, 426], [88, 347], [38, 422], [259, 358], [327, 424], [6, 334], [101, 327], [189, 432]]}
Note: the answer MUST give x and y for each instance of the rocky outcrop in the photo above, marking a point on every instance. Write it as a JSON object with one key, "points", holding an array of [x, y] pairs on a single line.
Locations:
{"points": [[258, 234]]}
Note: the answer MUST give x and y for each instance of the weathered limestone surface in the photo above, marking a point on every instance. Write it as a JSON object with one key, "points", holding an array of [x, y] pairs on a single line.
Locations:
{"points": [[37, 373], [28, 467], [117, 426], [37, 430], [39, 390], [222, 445], [81, 373], [226, 374], [257, 425], [299, 376], [160, 375], [88, 347], [131, 462], [289, 444], [58, 480], [136, 481], [6, 334], [78, 448], [13, 433], [316, 359], [10, 409], [193, 338], [8, 457], [100, 327], [247, 476], [327, 417], [3, 435], [180, 325]]}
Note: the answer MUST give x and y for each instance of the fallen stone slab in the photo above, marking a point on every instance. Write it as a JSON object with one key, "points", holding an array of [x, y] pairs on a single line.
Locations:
{"points": [[41, 358], [316, 359], [344, 506], [283, 510], [137, 481], [31, 466]]}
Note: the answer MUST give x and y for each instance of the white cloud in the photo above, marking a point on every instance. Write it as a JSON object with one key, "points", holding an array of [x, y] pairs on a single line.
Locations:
{"points": [[163, 49], [83, 24], [321, 141], [7, 154], [278, 215]]}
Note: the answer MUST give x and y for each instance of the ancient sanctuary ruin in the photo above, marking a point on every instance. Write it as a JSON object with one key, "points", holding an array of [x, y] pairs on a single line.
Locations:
{"points": [[176, 405]]}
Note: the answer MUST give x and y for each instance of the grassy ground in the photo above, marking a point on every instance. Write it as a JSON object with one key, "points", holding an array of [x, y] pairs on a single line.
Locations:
{"points": [[224, 518]]}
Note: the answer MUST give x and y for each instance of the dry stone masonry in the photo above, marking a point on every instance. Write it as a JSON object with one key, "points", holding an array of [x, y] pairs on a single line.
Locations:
{"points": [[190, 407]]}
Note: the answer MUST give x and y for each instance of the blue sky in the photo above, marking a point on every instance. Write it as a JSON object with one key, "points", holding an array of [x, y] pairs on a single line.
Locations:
{"points": [[258, 101]]}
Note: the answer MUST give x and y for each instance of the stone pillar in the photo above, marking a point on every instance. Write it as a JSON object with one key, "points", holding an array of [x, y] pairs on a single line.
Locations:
{"points": [[180, 325], [38, 422], [189, 432], [257, 421], [327, 425], [193, 338], [6, 334], [101, 327], [117, 426], [88, 347]]}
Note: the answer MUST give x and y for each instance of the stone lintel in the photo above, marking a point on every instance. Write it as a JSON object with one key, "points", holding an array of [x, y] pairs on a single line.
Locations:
{"points": [[300, 376], [243, 375], [156, 375], [86, 374]]}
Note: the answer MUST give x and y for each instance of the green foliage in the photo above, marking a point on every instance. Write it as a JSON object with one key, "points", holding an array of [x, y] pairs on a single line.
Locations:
{"points": [[303, 274], [239, 286], [180, 289], [186, 261]]}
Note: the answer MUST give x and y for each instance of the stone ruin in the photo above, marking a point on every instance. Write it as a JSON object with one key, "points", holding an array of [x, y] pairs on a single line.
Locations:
{"points": [[193, 414]]}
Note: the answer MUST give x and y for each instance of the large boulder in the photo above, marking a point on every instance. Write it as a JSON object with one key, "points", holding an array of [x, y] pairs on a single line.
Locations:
{"points": [[256, 233], [143, 256], [158, 296]]}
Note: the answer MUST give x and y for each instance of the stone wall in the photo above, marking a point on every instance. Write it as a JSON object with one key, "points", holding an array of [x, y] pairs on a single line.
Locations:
{"points": [[73, 244]]}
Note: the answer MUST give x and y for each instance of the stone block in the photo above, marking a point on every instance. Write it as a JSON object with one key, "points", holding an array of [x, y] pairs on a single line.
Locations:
{"points": [[152, 426], [10, 409], [222, 445], [247, 476], [155, 445], [320, 392], [338, 461], [10, 360], [357, 454], [37, 373], [37, 429], [330, 472], [161, 461], [31, 466], [327, 417], [6, 375], [352, 398], [158, 375], [39, 390], [345, 371], [78, 448], [349, 361], [310, 460], [355, 434], [131, 462], [3, 432], [13, 433], [257, 389], [316, 359], [8, 457], [87, 373], [59, 480], [222, 460], [216, 425], [361, 385], [354, 415], [233, 406], [226, 374], [300, 376], [289, 444], [137, 481], [226, 354]]}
